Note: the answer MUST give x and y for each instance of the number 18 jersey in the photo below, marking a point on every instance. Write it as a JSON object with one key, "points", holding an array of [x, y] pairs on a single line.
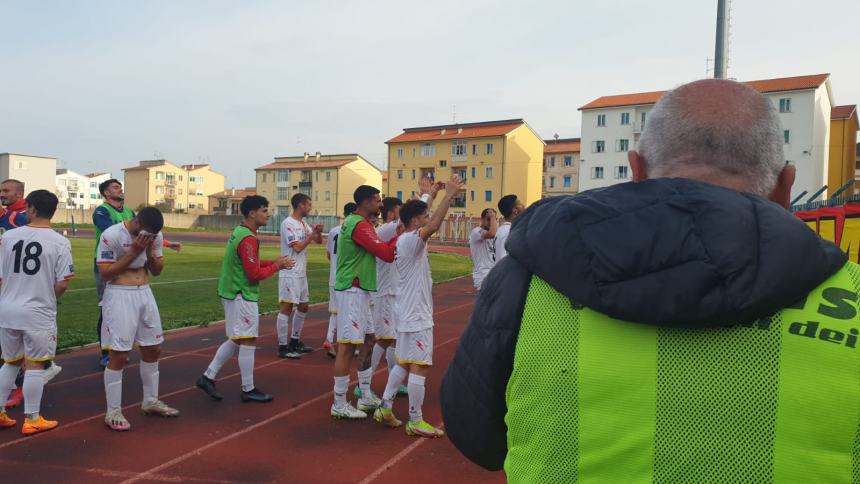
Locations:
{"points": [[32, 260]]}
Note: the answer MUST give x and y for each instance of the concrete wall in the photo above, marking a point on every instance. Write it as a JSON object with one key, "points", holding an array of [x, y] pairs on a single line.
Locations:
{"points": [[175, 220]]}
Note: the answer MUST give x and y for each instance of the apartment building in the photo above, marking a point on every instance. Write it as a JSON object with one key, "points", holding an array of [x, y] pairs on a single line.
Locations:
{"points": [[495, 158], [171, 187], [75, 190], [843, 149], [330, 180], [561, 167], [227, 202], [36, 172], [612, 125]]}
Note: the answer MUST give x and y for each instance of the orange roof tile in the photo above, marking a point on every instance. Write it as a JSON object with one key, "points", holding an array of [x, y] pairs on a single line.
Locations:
{"points": [[311, 163], [797, 83], [458, 131], [241, 193], [561, 145], [842, 112]]}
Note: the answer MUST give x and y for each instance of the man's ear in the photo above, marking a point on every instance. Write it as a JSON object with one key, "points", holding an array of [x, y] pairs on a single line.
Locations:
{"points": [[781, 193], [638, 166]]}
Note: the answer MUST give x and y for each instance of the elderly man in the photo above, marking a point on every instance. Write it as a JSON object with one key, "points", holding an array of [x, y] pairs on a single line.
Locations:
{"points": [[700, 332]]}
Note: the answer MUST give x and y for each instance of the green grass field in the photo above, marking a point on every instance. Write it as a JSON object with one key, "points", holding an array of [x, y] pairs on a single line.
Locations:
{"points": [[185, 291]]}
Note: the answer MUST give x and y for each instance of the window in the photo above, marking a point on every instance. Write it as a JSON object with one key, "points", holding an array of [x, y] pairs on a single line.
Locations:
{"points": [[460, 171], [328, 195], [598, 146], [413, 174], [180, 178], [400, 195], [488, 196], [94, 185], [597, 173], [621, 172], [283, 175], [159, 190], [199, 193], [472, 195], [625, 118], [489, 148], [159, 175], [316, 176], [642, 122], [552, 161], [488, 173], [283, 193], [474, 149], [568, 161], [428, 149], [399, 174], [264, 178], [192, 205], [474, 172], [443, 163], [458, 148], [413, 152], [399, 153], [328, 175], [601, 120], [785, 105], [787, 135], [567, 179], [552, 182], [622, 145], [93, 196]]}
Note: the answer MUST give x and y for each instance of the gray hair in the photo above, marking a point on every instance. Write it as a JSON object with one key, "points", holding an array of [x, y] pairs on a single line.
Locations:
{"points": [[738, 135]]}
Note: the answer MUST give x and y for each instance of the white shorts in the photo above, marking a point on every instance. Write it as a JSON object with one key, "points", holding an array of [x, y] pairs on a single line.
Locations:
{"points": [[354, 320], [332, 300], [32, 344], [478, 278], [383, 316], [241, 318], [130, 316], [293, 290], [415, 347]]}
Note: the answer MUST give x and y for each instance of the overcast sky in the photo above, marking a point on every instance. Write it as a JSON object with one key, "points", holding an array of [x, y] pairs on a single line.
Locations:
{"points": [[104, 84]]}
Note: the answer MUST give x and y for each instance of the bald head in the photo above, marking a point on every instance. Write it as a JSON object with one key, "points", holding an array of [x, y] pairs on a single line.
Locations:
{"points": [[717, 131], [11, 191]]}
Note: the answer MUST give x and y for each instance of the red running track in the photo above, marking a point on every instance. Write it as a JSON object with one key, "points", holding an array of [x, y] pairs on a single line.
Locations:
{"points": [[292, 439]]}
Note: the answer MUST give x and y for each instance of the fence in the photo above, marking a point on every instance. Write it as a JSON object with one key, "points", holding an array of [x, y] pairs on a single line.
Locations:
{"points": [[274, 225], [456, 230]]}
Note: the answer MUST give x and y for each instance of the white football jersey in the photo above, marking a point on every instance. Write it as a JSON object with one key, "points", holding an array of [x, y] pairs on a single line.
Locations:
{"points": [[32, 260], [414, 302], [482, 253], [501, 237], [294, 231], [116, 242], [386, 273], [331, 247]]}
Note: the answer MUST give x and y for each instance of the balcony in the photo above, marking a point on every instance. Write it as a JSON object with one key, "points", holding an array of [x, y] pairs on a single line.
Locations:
{"points": [[305, 184]]}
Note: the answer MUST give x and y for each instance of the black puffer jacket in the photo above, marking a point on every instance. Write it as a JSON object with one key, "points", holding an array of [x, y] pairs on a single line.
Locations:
{"points": [[667, 252]]}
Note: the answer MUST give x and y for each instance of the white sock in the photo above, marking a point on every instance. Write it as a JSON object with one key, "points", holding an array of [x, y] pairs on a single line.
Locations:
{"points": [[246, 366], [298, 324], [395, 379], [376, 357], [149, 376], [364, 377], [283, 326], [224, 353], [390, 357], [341, 385], [34, 384], [113, 388], [8, 373], [416, 397], [332, 323]]}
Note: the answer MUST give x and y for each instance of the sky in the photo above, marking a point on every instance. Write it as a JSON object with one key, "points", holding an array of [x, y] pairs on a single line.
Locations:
{"points": [[102, 85]]}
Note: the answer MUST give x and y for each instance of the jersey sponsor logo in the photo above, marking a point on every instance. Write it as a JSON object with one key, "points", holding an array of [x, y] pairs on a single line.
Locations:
{"points": [[107, 254], [292, 238]]}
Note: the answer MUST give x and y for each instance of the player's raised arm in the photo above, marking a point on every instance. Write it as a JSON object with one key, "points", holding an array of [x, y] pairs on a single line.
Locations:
{"points": [[110, 266], [452, 189]]}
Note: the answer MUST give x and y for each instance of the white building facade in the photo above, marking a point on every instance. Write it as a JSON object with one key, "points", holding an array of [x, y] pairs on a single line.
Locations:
{"points": [[36, 172], [612, 125], [79, 191]]}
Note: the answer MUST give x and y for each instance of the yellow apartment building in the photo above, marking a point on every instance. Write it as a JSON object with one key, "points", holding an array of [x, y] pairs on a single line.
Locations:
{"points": [[171, 187], [842, 163], [495, 158], [561, 167], [329, 180]]}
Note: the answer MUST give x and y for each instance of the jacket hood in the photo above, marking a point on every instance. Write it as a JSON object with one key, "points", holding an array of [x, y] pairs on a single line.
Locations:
{"points": [[673, 252]]}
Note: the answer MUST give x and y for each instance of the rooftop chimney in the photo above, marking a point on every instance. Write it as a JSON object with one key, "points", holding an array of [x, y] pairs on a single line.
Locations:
{"points": [[318, 156]]}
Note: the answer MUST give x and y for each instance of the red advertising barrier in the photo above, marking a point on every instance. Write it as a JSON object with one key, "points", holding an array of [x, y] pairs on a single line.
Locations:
{"points": [[840, 225]]}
